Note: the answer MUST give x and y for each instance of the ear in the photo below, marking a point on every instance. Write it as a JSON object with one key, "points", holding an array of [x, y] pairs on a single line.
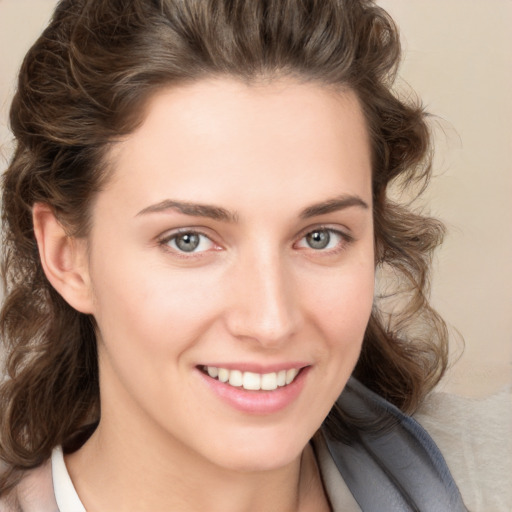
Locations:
{"points": [[63, 258]]}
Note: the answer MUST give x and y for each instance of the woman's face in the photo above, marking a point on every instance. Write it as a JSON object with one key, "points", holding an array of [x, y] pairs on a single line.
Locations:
{"points": [[233, 241]]}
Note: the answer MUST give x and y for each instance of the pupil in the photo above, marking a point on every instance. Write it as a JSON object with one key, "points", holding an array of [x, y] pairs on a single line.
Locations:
{"points": [[318, 239], [187, 242]]}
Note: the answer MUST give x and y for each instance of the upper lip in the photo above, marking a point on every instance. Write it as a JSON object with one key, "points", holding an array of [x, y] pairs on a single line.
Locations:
{"points": [[258, 368]]}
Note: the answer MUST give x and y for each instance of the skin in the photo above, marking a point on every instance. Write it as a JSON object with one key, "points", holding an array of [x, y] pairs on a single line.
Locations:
{"points": [[254, 292]]}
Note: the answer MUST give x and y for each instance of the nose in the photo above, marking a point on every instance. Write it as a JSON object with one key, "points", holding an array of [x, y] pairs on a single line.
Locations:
{"points": [[264, 307]]}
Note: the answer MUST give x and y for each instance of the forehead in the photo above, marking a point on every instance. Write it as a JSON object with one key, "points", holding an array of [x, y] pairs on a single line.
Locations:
{"points": [[220, 138]]}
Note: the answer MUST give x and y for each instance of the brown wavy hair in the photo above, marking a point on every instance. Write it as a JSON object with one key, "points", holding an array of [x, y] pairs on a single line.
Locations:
{"points": [[83, 85]]}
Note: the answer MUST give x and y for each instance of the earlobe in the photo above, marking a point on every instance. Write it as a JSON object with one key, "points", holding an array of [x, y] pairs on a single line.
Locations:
{"points": [[63, 258]]}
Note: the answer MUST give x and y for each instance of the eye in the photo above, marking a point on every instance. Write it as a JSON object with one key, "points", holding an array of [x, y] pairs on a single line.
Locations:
{"points": [[323, 239], [188, 242]]}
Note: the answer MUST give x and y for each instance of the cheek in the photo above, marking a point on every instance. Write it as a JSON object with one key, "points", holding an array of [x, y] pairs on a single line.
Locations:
{"points": [[153, 304], [343, 304], [340, 310]]}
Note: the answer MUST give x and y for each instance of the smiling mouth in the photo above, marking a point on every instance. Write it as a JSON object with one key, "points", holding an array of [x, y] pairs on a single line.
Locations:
{"points": [[251, 381]]}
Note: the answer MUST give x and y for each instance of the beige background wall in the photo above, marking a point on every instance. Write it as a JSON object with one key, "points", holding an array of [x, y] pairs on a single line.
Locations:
{"points": [[458, 58]]}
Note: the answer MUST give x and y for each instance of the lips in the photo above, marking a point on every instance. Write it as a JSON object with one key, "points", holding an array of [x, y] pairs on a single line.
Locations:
{"points": [[256, 390], [252, 381]]}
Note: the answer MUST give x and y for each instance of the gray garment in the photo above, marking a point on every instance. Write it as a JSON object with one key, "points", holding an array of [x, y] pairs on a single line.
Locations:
{"points": [[398, 468]]}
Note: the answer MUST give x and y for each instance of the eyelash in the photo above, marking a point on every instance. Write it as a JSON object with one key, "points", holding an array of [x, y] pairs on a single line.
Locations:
{"points": [[345, 241], [163, 242]]}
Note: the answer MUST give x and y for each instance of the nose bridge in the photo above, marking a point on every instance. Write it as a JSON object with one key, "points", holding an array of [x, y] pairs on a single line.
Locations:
{"points": [[264, 307]]}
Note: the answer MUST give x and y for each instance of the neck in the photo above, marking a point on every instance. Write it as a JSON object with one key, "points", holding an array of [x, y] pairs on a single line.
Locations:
{"points": [[132, 463], [138, 477], [137, 466]]}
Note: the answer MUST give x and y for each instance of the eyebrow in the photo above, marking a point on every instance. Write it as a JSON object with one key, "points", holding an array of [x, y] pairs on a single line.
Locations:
{"points": [[193, 209], [221, 214], [333, 205]]}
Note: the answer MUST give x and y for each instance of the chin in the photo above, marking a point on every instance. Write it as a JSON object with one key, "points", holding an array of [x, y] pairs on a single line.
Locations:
{"points": [[255, 463], [260, 453]]}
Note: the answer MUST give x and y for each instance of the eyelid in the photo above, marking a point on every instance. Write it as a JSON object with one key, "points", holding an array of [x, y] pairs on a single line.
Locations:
{"points": [[344, 232], [164, 239], [347, 238]]}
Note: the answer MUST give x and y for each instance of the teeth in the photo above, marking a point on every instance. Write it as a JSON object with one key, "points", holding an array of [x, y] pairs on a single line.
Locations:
{"points": [[235, 378], [223, 374], [253, 381], [290, 375], [213, 372], [269, 381]]}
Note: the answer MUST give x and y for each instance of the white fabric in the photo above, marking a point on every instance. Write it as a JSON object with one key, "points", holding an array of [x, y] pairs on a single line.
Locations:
{"points": [[65, 493], [340, 497], [475, 438]]}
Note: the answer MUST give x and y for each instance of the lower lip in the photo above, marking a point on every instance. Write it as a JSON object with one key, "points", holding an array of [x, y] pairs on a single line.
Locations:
{"points": [[257, 402]]}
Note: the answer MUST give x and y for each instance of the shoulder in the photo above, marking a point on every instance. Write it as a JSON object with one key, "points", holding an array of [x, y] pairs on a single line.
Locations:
{"points": [[33, 493], [474, 437]]}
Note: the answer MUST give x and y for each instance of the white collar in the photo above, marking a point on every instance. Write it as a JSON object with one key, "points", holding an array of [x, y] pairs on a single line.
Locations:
{"points": [[65, 494]]}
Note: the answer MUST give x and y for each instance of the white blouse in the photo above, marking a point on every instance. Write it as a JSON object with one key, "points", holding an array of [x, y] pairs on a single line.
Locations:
{"points": [[65, 494]]}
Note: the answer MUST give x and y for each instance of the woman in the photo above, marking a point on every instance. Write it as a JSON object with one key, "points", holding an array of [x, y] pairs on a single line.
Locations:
{"points": [[194, 214]]}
